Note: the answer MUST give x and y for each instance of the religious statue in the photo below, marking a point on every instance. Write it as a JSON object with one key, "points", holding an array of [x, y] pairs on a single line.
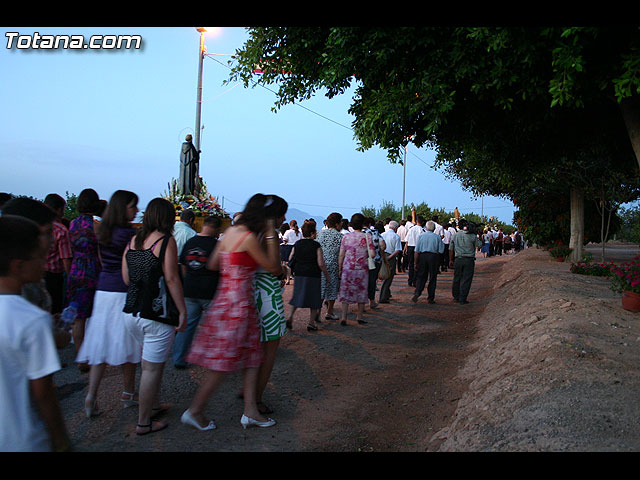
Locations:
{"points": [[456, 214], [189, 160]]}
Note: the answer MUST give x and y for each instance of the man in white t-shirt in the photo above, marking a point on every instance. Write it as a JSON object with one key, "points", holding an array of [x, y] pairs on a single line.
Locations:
{"points": [[28, 355]]}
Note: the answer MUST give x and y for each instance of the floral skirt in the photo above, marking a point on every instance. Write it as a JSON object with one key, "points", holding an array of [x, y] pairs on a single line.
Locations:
{"points": [[353, 286]]}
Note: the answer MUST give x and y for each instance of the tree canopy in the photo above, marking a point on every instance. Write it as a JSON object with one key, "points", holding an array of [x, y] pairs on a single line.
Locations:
{"points": [[505, 108]]}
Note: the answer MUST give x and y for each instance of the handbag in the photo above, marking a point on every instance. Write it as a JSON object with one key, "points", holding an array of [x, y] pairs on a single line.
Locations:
{"points": [[372, 263], [163, 305], [384, 272]]}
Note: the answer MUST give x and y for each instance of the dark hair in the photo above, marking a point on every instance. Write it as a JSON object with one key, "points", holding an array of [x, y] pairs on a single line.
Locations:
{"points": [[29, 208], [294, 225], [4, 198], [308, 228], [380, 226], [19, 238], [160, 215], [284, 227], [54, 201], [333, 220], [421, 220], [275, 206], [253, 216], [357, 221], [115, 214], [344, 224], [88, 202], [102, 206], [187, 215], [211, 221]]}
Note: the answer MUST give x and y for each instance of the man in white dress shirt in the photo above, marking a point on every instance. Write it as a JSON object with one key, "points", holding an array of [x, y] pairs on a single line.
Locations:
{"points": [[412, 237], [402, 233], [393, 251]]}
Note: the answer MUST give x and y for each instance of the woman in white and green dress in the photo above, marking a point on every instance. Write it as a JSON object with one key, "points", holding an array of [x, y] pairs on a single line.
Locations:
{"points": [[330, 240], [268, 295]]}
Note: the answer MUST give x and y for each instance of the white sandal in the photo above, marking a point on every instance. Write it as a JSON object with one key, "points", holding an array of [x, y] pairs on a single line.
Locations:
{"points": [[130, 401]]}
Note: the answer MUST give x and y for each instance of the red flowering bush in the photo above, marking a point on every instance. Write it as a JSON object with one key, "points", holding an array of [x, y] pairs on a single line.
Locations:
{"points": [[594, 269], [626, 276]]}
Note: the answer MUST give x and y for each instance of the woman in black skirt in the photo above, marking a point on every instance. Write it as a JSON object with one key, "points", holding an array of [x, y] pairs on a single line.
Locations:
{"points": [[307, 264]]}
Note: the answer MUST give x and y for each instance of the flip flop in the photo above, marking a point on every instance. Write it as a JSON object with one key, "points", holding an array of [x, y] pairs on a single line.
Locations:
{"points": [[151, 429]]}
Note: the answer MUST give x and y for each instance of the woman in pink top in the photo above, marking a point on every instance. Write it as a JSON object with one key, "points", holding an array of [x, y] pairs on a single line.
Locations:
{"points": [[355, 248]]}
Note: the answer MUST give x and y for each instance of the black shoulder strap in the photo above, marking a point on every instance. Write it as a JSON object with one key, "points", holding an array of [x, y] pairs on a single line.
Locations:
{"points": [[163, 249]]}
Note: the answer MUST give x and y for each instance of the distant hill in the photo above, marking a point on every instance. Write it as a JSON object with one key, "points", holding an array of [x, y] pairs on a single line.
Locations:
{"points": [[300, 217]]}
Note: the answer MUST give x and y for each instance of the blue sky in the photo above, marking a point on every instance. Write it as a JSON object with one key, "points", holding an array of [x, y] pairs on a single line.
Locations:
{"points": [[116, 119]]}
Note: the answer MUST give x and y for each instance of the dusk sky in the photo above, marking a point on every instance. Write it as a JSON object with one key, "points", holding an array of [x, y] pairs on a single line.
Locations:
{"points": [[115, 119]]}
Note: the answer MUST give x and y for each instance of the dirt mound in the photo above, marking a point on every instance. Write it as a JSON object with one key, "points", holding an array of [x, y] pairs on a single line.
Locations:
{"points": [[555, 366]]}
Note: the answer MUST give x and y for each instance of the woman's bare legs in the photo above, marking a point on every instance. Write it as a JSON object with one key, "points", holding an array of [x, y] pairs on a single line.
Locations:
{"points": [[149, 389], [211, 381], [264, 372], [250, 381]]}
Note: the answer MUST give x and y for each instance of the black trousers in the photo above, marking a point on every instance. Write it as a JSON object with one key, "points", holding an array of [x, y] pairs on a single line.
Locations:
{"points": [[55, 283], [402, 259], [373, 279], [428, 267], [410, 260], [445, 258], [463, 268]]}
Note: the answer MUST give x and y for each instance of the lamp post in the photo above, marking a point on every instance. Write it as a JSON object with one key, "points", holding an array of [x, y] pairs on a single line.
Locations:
{"points": [[404, 180], [202, 53]]}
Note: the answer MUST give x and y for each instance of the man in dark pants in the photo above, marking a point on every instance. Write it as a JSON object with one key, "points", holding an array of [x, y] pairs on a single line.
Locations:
{"points": [[463, 248], [427, 260]]}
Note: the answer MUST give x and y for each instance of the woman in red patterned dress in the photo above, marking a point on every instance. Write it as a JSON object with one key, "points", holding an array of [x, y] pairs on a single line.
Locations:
{"points": [[228, 338]]}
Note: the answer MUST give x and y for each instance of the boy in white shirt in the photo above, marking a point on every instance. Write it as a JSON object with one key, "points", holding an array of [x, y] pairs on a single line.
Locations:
{"points": [[28, 356]]}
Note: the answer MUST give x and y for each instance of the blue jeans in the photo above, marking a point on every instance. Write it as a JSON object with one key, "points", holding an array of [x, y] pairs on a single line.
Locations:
{"points": [[195, 308]]}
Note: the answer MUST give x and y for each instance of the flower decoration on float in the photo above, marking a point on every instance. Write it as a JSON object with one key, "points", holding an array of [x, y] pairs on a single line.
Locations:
{"points": [[201, 202]]}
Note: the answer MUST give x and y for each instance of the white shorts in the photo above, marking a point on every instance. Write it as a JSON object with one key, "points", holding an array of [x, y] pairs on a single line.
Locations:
{"points": [[156, 338]]}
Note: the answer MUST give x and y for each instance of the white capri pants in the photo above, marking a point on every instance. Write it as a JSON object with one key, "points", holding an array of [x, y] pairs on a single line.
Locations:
{"points": [[156, 338]]}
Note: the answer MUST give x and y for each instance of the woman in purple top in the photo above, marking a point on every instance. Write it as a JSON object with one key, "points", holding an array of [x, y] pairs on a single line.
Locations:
{"points": [[85, 265], [107, 341]]}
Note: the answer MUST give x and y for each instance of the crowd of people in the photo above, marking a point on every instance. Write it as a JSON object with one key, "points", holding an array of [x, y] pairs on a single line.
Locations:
{"points": [[134, 298]]}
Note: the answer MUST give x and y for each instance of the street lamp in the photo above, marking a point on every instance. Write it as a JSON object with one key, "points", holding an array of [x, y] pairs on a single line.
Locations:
{"points": [[202, 53]]}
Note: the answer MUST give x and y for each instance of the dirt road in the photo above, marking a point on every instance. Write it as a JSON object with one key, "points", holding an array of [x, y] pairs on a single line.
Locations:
{"points": [[417, 377]]}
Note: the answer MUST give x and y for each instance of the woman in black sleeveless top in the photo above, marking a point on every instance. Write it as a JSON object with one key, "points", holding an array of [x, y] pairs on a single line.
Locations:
{"points": [[141, 268], [308, 265]]}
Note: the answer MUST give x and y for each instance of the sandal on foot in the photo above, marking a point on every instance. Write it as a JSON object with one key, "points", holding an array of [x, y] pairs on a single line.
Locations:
{"points": [[159, 426], [128, 400], [91, 408]]}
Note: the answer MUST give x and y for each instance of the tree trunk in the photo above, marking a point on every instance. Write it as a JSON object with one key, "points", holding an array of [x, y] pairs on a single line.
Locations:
{"points": [[630, 108], [577, 224]]}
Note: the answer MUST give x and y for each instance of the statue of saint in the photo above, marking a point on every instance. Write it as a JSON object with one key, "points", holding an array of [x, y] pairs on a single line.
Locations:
{"points": [[189, 159], [456, 214]]}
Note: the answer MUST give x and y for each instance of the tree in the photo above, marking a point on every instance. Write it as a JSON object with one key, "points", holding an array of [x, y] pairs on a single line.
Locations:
{"points": [[444, 87]]}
